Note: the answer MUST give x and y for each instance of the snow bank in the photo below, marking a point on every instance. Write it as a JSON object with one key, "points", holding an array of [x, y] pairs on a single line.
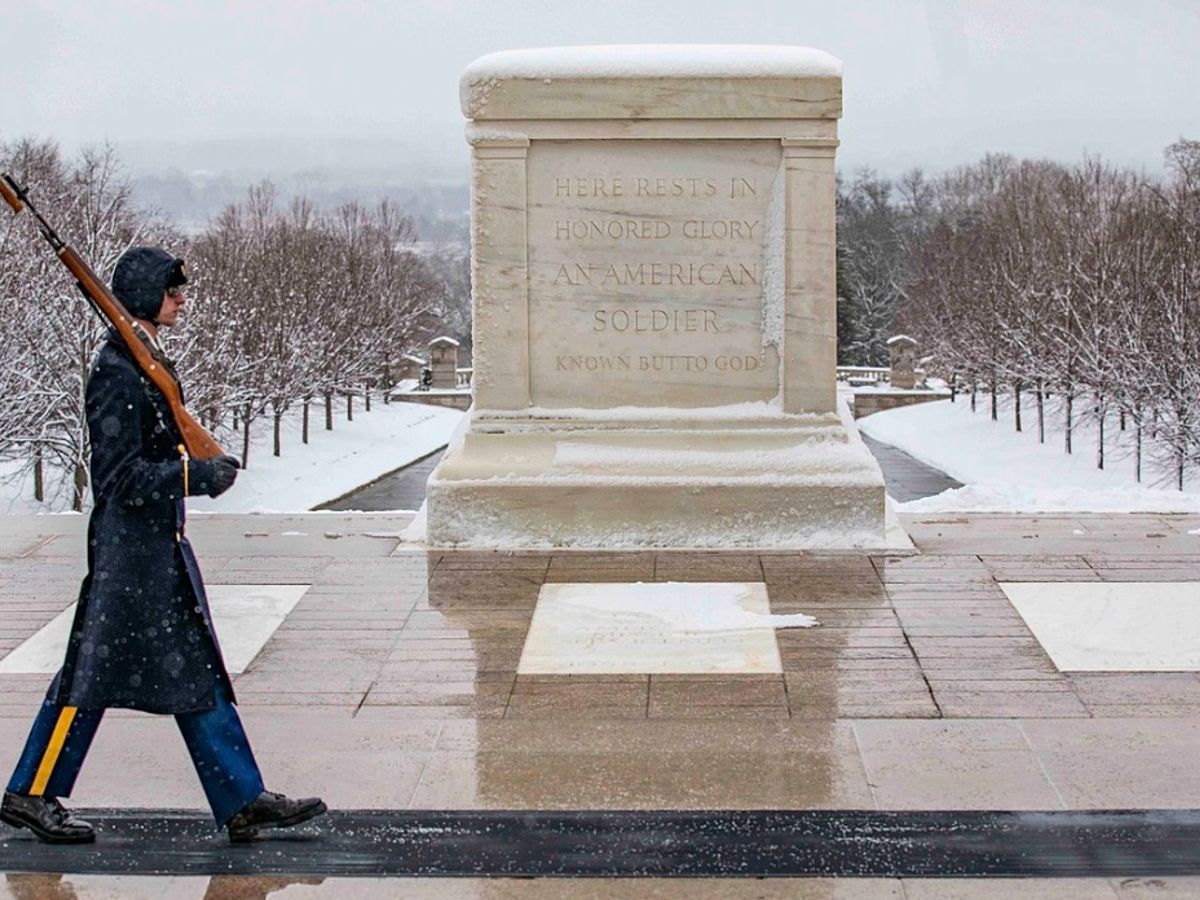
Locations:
{"points": [[1016, 498], [1008, 471], [332, 464]]}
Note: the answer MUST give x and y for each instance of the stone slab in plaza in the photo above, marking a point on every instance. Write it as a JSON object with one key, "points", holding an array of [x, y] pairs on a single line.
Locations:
{"points": [[653, 265]]}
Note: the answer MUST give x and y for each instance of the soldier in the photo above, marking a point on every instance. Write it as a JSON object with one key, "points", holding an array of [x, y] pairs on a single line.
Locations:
{"points": [[143, 637]]}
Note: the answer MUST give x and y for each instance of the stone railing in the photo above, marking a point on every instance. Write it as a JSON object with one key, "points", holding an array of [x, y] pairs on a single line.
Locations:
{"points": [[858, 374], [863, 374]]}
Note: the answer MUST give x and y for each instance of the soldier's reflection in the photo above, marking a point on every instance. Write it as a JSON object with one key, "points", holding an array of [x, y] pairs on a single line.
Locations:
{"points": [[220, 887], [252, 887], [38, 887]]}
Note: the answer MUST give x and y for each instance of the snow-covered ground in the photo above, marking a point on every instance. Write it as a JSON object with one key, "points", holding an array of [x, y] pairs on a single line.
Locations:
{"points": [[1003, 470], [304, 476]]}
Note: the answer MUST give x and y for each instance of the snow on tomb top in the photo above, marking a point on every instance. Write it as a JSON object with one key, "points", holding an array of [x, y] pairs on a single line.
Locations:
{"points": [[444, 340], [599, 81], [657, 60], [901, 337]]}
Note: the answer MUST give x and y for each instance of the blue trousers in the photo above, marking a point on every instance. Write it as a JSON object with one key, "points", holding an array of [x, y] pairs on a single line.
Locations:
{"points": [[61, 736]]}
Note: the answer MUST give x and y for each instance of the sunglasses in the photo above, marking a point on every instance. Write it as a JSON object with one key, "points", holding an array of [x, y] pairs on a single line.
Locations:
{"points": [[176, 291]]}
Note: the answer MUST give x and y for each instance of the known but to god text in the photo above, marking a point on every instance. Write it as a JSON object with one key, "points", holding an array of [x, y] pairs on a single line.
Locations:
{"points": [[658, 362]]}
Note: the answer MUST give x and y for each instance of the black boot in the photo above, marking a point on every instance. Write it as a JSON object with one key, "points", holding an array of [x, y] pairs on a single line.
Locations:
{"points": [[46, 818], [271, 810]]}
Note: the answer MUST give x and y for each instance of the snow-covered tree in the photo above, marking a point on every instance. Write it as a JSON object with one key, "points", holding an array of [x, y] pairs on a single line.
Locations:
{"points": [[50, 329], [1077, 281]]}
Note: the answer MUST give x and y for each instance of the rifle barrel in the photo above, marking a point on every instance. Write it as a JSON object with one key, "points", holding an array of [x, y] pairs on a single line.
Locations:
{"points": [[200, 444]]}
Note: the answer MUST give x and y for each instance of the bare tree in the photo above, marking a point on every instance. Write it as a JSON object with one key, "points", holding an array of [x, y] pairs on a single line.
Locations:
{"points": [[284, 304], [1078, 281], [90, 200]]}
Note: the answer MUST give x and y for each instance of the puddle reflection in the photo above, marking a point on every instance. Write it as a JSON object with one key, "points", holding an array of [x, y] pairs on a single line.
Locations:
{"points": [[112, 887]]}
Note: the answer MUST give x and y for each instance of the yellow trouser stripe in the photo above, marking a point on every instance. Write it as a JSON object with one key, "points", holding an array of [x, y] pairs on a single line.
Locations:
{"points": [[183, 454], [50, 757]]}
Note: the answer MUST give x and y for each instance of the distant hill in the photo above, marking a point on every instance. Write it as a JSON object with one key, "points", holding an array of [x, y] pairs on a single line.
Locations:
{"points": [[193, 181]]}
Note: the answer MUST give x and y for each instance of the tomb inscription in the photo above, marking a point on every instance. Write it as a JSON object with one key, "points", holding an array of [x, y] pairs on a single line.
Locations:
{"points": [[647, 270]]}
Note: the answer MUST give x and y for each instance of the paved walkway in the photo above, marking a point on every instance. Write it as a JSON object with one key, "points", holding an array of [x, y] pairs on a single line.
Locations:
{"points": [[402, 489], [908, 478], [393, 685]]}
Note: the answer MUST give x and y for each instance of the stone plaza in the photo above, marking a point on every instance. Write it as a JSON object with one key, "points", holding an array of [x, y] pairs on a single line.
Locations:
{"points": [[394, 684]]}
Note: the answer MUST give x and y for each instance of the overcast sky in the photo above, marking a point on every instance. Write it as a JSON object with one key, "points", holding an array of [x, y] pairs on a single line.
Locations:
{"points": [[931, 82]]}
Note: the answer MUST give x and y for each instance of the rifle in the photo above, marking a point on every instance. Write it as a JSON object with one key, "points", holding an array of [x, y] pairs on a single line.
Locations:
{"points": [[199, 443]]}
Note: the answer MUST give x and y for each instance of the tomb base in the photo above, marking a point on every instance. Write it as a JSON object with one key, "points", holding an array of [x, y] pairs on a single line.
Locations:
{"points": [[791, 482]]}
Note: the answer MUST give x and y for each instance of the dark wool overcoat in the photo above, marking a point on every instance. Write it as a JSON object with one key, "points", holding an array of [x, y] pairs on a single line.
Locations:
{"points": [[142, 636]]}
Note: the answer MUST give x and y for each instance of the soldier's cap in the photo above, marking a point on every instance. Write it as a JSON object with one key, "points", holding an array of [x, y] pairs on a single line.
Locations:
{"points": [[140, 277]]}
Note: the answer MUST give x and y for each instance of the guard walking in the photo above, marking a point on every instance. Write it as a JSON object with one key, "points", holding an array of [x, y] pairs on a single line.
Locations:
{"points": [[143, 636]]}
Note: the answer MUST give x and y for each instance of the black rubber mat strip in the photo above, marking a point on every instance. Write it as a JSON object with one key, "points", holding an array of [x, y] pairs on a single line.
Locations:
{"points": [[661, 843]]}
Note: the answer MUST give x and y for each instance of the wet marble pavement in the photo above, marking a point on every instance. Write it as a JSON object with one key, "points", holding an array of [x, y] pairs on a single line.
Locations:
{"points": [[396, 673]]}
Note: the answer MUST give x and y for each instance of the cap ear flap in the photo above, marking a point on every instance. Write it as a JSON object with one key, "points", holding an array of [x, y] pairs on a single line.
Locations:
{"points": [[157, 310]]}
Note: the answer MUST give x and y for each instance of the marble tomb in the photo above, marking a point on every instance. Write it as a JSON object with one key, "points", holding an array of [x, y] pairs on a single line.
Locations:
{"points": [[653, 267]]}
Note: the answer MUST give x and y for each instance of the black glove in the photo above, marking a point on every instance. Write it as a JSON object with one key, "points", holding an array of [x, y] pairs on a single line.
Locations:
{"points": [[214, 476]]}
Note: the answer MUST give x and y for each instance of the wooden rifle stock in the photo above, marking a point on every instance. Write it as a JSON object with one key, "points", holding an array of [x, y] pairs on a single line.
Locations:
{"points": [[196, 438], [10, 195]]}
